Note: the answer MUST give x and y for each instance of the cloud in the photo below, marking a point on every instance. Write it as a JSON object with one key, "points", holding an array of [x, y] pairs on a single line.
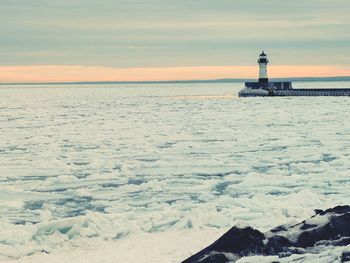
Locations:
{"points": [[164, 33]]}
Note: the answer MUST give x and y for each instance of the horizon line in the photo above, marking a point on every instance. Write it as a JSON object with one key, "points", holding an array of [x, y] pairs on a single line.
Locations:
{"points": [[222, 80]]}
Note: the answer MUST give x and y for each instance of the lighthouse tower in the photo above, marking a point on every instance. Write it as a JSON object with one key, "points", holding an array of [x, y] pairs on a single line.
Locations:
{"points": [[263, 68]]}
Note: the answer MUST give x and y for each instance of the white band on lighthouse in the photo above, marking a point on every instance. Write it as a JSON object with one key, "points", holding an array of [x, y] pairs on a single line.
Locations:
{"points": [[262, 70]]}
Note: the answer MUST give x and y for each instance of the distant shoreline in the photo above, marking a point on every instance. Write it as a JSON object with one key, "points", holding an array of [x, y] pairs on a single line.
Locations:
{"points": [[296, 79]]}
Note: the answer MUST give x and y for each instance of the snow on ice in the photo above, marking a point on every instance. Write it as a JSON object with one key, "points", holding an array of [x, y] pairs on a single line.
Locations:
{"points": [[84, 164]]}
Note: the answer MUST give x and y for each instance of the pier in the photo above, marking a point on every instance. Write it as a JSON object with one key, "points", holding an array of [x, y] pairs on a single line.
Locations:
{"points": [[265, 88]]}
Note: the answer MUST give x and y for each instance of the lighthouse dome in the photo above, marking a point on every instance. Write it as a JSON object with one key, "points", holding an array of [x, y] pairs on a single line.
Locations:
{"points": [[263, 54]]}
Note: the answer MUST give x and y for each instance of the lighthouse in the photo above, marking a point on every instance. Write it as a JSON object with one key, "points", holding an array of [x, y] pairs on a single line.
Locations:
{"points": [[263, 68], [264, 87]]}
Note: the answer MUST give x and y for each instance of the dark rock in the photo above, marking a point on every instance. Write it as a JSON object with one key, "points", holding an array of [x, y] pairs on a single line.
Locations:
{"points": [[340, 209], [238, 241], [337, 227], [345, 257], [341, 242], [278, 229], [276, 245], [242, 238], [333, 230]]}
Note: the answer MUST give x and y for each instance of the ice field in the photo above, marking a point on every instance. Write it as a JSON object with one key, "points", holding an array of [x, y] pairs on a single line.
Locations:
{"points": [[155, 172]]}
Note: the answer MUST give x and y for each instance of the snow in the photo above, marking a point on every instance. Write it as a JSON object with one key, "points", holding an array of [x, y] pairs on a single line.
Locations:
{"points": [[168, 247], [113, 167], [329, 254]]}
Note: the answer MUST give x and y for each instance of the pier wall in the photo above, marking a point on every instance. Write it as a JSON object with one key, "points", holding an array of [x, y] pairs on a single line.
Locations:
{"points": [[313, 92], [298, 92]]}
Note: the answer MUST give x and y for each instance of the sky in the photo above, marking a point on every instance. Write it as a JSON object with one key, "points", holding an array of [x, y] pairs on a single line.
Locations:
{"points": [[128, 40]]}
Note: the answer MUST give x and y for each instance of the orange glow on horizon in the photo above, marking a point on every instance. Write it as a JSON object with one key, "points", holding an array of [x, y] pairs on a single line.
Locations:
{"points": [[57, 73]]}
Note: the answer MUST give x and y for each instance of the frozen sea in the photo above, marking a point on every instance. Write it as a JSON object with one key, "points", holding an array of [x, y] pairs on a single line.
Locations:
{"points": [[155, 172]]}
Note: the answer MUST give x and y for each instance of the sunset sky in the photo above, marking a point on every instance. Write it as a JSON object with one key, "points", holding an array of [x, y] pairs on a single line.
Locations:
{"points": [[128, 40]]}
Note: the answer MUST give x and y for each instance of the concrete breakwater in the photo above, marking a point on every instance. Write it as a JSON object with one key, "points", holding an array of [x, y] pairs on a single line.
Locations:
{"points": [[293, 92]]}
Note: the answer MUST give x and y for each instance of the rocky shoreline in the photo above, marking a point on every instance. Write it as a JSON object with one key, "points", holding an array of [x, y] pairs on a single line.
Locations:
{"points": [[325, 230]]}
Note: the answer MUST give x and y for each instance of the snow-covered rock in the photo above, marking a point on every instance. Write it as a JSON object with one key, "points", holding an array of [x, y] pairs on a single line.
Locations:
{"points": [[326, 234]]}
